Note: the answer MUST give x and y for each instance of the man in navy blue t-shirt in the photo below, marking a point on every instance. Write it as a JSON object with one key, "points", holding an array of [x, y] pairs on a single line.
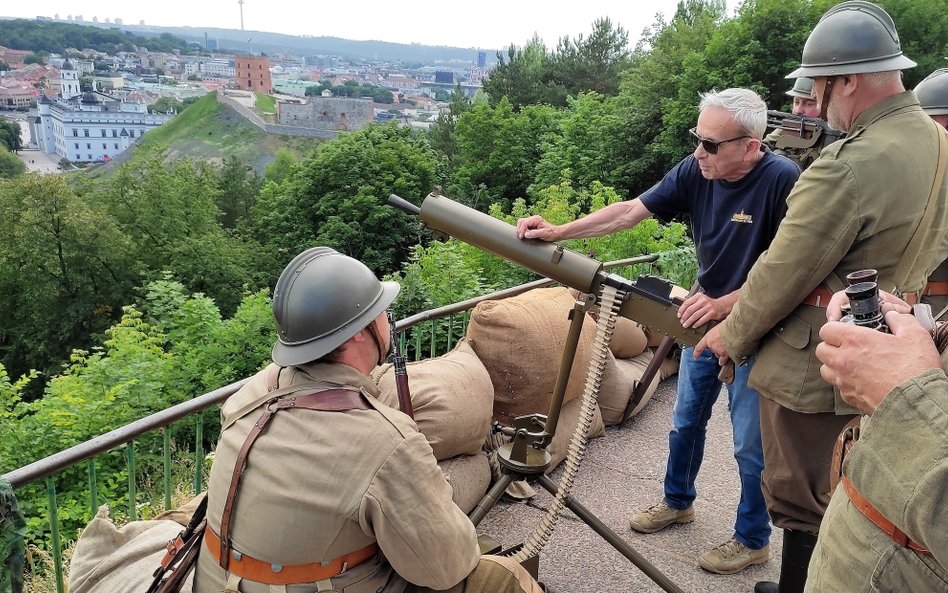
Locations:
{"points": [[734, 190]]}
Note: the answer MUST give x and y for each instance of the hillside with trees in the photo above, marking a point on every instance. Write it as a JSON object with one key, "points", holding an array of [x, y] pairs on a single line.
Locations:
{"points": [[57, 37], [130, 291]]}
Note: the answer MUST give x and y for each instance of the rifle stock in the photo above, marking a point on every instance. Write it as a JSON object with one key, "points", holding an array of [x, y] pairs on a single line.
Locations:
{"points": [[401, 372]]}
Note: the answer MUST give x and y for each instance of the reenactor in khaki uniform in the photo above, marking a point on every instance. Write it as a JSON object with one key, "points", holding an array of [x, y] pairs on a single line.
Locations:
{"points": [[869, 200], [933, 95], [886, 528], [316, 486]]}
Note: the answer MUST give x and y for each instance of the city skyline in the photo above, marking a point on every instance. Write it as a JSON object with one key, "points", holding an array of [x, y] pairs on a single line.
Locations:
{"points": [[489, 24]]}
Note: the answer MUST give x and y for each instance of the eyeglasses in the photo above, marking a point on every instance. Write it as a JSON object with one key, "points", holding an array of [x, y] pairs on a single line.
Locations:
{"points": [[711, 146]]}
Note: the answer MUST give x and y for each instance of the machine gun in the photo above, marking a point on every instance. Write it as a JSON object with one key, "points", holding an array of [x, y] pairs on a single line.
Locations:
{"points": [[647, 301], [799, 138]]}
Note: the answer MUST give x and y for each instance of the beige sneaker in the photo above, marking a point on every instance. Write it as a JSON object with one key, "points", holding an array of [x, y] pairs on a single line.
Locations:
{"points": [[659, 516], [732, 556]]}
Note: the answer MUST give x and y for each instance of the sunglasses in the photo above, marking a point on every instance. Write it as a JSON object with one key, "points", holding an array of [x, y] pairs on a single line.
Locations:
{"points": [[711, 146]]}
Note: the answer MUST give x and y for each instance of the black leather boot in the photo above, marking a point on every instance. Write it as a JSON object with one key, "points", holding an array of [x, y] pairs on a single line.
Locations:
{"points": [[797, 549]]}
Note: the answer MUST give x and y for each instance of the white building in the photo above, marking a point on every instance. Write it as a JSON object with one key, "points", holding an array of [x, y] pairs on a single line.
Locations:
{"points": [[89, 127]]}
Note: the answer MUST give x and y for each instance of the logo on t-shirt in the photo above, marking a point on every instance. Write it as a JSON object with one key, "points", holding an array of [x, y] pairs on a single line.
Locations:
{"points": [[742, 217]]}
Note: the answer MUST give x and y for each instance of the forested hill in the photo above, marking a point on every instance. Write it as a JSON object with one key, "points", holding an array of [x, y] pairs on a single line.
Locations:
{"points": [[56, 37]]}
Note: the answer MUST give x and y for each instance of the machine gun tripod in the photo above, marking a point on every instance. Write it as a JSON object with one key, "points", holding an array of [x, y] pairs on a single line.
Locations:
{"points": [[647, 301]]}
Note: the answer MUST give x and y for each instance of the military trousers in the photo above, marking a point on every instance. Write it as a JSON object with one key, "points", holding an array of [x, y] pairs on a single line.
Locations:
{"points": [[493, 574], [798, 453]]}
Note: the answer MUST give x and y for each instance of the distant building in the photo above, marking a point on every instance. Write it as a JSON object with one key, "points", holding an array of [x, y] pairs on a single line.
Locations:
{"points": [[253, 73], [91, 126], [482, 59], [444, 77], [12, 98]]}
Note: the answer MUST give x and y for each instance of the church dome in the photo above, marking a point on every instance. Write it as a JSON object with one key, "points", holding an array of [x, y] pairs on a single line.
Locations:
{"points": [[89, 98], [67, 65]]}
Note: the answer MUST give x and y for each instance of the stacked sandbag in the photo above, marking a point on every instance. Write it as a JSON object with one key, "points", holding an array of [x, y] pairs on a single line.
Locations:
{"points": [[107, 559], [619, 380], [520, 341], [452, 397], [469, 476]]}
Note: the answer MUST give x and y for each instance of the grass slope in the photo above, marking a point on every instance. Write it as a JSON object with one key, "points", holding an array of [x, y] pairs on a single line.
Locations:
{"points": [[210, 131]]}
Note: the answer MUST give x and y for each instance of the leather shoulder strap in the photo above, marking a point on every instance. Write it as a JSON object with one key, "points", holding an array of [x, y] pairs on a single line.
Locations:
{"points": [[914, 247], [330, 400]]}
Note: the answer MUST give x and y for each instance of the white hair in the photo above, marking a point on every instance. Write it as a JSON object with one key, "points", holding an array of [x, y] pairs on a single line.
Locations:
{"points": [[878, 80], [744, 105]]}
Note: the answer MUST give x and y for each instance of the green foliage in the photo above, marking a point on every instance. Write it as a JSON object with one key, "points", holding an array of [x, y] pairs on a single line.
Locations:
{"points": [[10, 135], [239, 185], [532, 75], [166, 105], [338, 198], [53, 37], [351, 88], [10, 164]]}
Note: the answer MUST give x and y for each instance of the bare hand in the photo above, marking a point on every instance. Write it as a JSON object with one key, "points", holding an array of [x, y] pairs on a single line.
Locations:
{"points": [[535, 227], [699, 309], [834, 310], [865, 365], [715, 343]]}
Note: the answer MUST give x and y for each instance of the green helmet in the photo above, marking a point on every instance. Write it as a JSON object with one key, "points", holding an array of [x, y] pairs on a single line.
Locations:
{"points": [[322, 299], [852, 38], [933, 92], [802, 87]]}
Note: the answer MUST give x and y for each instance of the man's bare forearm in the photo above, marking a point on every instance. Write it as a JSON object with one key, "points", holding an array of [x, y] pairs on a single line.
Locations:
{"points": [[613, 218]]}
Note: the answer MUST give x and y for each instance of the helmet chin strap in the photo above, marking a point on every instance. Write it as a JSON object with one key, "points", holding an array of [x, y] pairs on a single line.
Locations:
{"points": [[379, 342], [824, 103]]}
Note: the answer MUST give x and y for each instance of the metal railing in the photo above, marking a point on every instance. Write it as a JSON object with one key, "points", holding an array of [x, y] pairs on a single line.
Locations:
{"points": [[126, 435]]}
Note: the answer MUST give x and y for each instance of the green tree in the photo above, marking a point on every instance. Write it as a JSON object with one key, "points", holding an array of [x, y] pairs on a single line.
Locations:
{"points": [[166, 105], [520, 76], [80, 271], [10, 164], [239, 185], [338, 199], [10, 135], [593, 63]]}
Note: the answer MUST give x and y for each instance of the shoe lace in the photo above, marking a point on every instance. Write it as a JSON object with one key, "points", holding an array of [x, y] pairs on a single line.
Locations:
{"points": [[731, 548], [658, 509]]}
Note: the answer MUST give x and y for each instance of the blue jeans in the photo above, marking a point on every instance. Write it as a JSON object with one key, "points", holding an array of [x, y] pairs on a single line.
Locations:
{"points": [[698, 389]]}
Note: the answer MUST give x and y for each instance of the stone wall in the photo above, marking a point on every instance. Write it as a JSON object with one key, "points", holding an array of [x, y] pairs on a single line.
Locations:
{"points": [[284, 130], [327, 113]]}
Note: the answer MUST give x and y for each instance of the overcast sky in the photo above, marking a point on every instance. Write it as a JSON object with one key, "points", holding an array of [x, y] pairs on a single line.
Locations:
{"points": [[490, 24]]}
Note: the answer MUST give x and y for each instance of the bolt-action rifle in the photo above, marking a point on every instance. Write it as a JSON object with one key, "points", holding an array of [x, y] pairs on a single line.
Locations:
{"points": [[401, 371], [799, 138]]}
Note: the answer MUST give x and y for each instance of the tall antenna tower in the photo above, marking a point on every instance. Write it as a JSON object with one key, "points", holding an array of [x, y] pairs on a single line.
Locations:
{"points": [[241, 3]]}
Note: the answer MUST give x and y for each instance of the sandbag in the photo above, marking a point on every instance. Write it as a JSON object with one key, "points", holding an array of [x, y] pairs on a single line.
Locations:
{"points": [[569, 419], [108, 559], [469, 476], [452, 396], [614, 392], [632, 370], [182, 515], [670, 364], [520, 341]]}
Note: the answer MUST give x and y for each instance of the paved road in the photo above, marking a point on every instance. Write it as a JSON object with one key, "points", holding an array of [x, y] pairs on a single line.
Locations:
{"points": [[623, 471]]}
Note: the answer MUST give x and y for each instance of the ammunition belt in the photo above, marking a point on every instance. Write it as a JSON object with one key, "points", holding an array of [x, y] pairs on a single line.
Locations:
{"points": [[269, 573], [878, 519]]}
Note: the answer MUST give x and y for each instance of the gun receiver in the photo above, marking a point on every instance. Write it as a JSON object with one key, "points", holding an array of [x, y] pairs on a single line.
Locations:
{"points": [[646, 301], [799, 132]]}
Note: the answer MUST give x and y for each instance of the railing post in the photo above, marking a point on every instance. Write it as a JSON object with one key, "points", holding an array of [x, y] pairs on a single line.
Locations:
{"points": [[417, 343], [450, 330], [54, 528], [199, 453], [434, 330], [166, 453], [93, 487], [132, 491]]}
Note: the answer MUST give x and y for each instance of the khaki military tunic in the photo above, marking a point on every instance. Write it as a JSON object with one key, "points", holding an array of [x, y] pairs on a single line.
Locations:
{"points": [[900, 465], [855, 207], [319, 485]]}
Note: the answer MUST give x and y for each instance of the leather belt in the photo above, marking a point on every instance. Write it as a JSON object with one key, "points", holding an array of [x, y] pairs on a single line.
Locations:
{"points": [[936, 288], [820, 297], [878, 519], [260, 571]]}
